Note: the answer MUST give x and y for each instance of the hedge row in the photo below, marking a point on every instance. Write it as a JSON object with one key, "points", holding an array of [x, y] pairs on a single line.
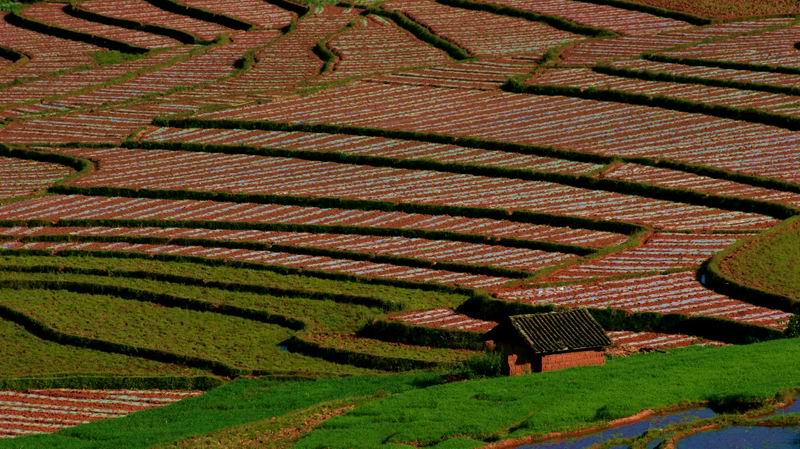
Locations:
{"points": [[397, 332], [555, 22], [573, 180], [467, 142], [176, 7], [79, 165], [181, 36], [346, 357], [722, 64], [314, 229], [481, 270], [422, 33], [341, 298], [425, 286], [519, 216], [45, 332], [650, 75], [652, 10], [203, 383], [11, 54], [290, 6], [327, 57], [165, 300], [660, 101], [727, 331], [40, 27]]}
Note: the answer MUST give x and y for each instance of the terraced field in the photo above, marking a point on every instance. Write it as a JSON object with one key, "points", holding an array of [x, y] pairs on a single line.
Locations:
{"points": [[196, 192]]}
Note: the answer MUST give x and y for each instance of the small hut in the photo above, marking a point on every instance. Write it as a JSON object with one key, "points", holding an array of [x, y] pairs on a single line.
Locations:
{"points": [[549, 341]]}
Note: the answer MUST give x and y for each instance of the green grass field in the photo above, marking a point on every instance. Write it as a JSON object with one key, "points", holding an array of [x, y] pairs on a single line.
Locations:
{"points": [[399, 410], [768, 262]]}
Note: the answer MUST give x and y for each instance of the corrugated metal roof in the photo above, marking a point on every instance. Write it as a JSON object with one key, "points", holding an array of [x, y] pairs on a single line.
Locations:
{"points": [[560, 331]]}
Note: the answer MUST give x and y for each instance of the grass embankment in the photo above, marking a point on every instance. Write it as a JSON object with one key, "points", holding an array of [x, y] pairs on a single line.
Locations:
{"points": [[769, 262], [467, 414], [728, 9], [230, 407], [406, 409], [223, 319], [24, 356]]}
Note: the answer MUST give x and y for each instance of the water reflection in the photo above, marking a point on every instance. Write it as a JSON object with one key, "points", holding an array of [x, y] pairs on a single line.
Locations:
{"points": [[626, 431], [744, 438]]}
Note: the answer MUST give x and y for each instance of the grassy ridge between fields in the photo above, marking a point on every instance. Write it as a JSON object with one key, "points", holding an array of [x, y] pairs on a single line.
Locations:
{"points": [[456, 415], [765, 268]]}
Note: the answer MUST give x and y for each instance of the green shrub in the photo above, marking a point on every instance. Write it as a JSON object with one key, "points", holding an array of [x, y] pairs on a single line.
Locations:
{"points": [[489, 364], [793, 330], [737, 403]]}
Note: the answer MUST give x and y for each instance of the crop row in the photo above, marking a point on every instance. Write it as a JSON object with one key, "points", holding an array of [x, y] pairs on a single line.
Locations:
{"points": [[47, 54], [55, 14], [242, 215], [21, 177], [581, 125], [615, 79], [481, 74], [659, 253], [443, 319], [44, 411], [678, 179], [638, 341], [483, 33], [773, 48], [377, 45], [288, 62], [763, 81], [144, 12], [46, 90], [593, 51], [674, 293], [362, 145], [258, 12], [362, 268], [401, 248], [619, 20], [240, 173]]}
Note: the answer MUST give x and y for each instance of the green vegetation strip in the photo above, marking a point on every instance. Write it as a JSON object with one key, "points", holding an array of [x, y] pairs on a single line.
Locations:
{"points": [[326, 55], [467, 142], [653, 10], [275, 281], [224, 345], [650, 75], [750, 115], [11, 54], [678, 195], [85, 287], [764, 269], [487, 410], [554, 21], [734, 65], [74, 10], [27, 361], [97, 382], [40, 27], [175, 6], [132, 276]]}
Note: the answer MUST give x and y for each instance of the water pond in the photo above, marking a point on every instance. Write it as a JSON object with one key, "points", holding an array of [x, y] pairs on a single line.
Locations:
{"points": [[744, 438]]}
